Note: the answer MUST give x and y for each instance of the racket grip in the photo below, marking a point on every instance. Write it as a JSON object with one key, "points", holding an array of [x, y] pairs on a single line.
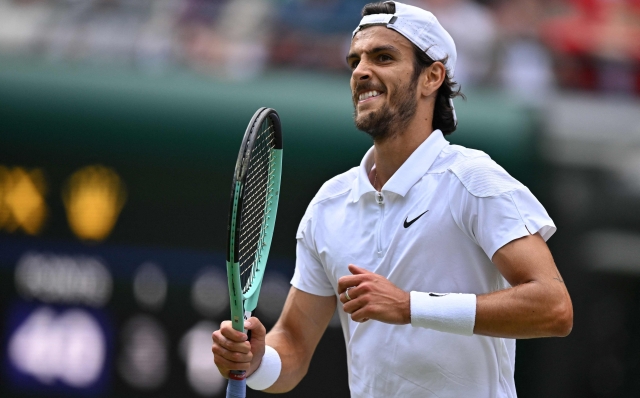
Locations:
{"points": [[237, 388]]}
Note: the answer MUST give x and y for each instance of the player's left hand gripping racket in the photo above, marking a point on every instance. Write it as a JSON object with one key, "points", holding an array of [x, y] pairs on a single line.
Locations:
{"points": [[254, 201]]}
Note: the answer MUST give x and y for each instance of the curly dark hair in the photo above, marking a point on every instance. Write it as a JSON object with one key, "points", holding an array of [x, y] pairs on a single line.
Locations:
{"points": [[443, 111]]}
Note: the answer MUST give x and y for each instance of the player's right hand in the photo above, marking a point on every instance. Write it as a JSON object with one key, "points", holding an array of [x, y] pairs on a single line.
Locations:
{"points": [[232, 351]]}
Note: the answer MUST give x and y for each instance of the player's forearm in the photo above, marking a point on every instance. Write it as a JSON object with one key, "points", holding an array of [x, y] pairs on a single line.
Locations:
{"points": [[532, 309], [295, 363], [296, 335]]}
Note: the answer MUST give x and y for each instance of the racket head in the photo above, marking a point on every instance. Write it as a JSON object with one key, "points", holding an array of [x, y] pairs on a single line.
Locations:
{"points": [[254, 200]]}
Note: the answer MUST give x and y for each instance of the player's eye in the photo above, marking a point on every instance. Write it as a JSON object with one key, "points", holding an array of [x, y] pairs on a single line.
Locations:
{"points": [[353, 64], [384, 58]]}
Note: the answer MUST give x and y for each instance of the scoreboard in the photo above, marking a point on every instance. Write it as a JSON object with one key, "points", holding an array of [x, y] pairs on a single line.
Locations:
{"points": [[110, 319]]}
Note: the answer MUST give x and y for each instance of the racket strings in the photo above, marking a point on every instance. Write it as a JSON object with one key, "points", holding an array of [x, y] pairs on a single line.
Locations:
{"points": [[253, 224], [256, 204], [264, 151], [256, 224], [252, 239], [258, 201], [255, 186], [255, 197]]}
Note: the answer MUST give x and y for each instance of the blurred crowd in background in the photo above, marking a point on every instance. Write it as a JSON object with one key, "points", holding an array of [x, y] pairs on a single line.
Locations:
{"points": [[524, 46]]}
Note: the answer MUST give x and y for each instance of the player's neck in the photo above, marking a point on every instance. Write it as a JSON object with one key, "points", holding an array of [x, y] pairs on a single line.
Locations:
{"points": [[391, 153]]}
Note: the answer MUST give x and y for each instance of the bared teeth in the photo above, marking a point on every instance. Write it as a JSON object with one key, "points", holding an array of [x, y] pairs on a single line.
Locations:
{"points": [[368, 94]]}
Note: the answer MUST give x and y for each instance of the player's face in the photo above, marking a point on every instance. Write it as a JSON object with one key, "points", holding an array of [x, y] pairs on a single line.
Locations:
{"points": [[382, 84]]}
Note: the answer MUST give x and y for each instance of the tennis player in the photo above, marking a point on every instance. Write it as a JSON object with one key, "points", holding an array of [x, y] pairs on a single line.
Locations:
{"points": [[435, 255]]}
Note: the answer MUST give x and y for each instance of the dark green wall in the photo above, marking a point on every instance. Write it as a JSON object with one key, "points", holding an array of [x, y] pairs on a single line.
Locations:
{"points": [[174, 138]]}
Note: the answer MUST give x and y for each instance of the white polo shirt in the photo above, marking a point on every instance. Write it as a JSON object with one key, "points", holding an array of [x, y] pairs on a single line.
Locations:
{"points": [[434, 227]]}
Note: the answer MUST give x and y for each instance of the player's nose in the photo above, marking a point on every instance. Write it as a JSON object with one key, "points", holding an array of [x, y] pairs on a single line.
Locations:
{"points": [[362, 71]]}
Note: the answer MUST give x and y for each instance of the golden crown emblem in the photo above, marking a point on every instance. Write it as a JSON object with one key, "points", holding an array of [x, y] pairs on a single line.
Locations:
{"points": [[93, 197]]}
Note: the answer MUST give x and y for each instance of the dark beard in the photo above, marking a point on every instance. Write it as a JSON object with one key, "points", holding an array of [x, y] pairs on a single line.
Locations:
{"points": [[392, 118]]}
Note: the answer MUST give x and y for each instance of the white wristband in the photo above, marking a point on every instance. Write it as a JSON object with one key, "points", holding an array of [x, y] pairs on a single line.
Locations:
{"points": [[445, 312], [268, 371]]}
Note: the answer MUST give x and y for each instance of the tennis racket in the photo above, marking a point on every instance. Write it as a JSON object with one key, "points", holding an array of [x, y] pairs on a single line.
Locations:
{"points": [[254, 201]]}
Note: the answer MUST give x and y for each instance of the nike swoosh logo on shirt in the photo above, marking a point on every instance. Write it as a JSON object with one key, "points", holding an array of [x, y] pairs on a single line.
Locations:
{"points": [[407, 224]]}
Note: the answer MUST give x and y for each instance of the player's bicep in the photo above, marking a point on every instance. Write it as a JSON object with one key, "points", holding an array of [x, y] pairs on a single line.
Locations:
{"points": [[525, 260]]}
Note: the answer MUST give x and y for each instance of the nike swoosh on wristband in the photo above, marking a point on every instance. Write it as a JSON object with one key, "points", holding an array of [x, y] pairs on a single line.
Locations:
{"points": [[408, 224]]}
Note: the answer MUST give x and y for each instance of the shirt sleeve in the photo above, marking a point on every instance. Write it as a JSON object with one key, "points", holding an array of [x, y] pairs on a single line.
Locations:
{"points": [[492, 208], [309, 275]]}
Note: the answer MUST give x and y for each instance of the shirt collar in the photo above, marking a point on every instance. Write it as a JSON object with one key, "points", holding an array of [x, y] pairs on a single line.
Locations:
{"points": [[407, 175]]}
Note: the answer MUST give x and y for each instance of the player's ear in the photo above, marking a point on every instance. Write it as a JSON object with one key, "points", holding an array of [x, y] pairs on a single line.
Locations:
{"points": [[432, 78]]}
